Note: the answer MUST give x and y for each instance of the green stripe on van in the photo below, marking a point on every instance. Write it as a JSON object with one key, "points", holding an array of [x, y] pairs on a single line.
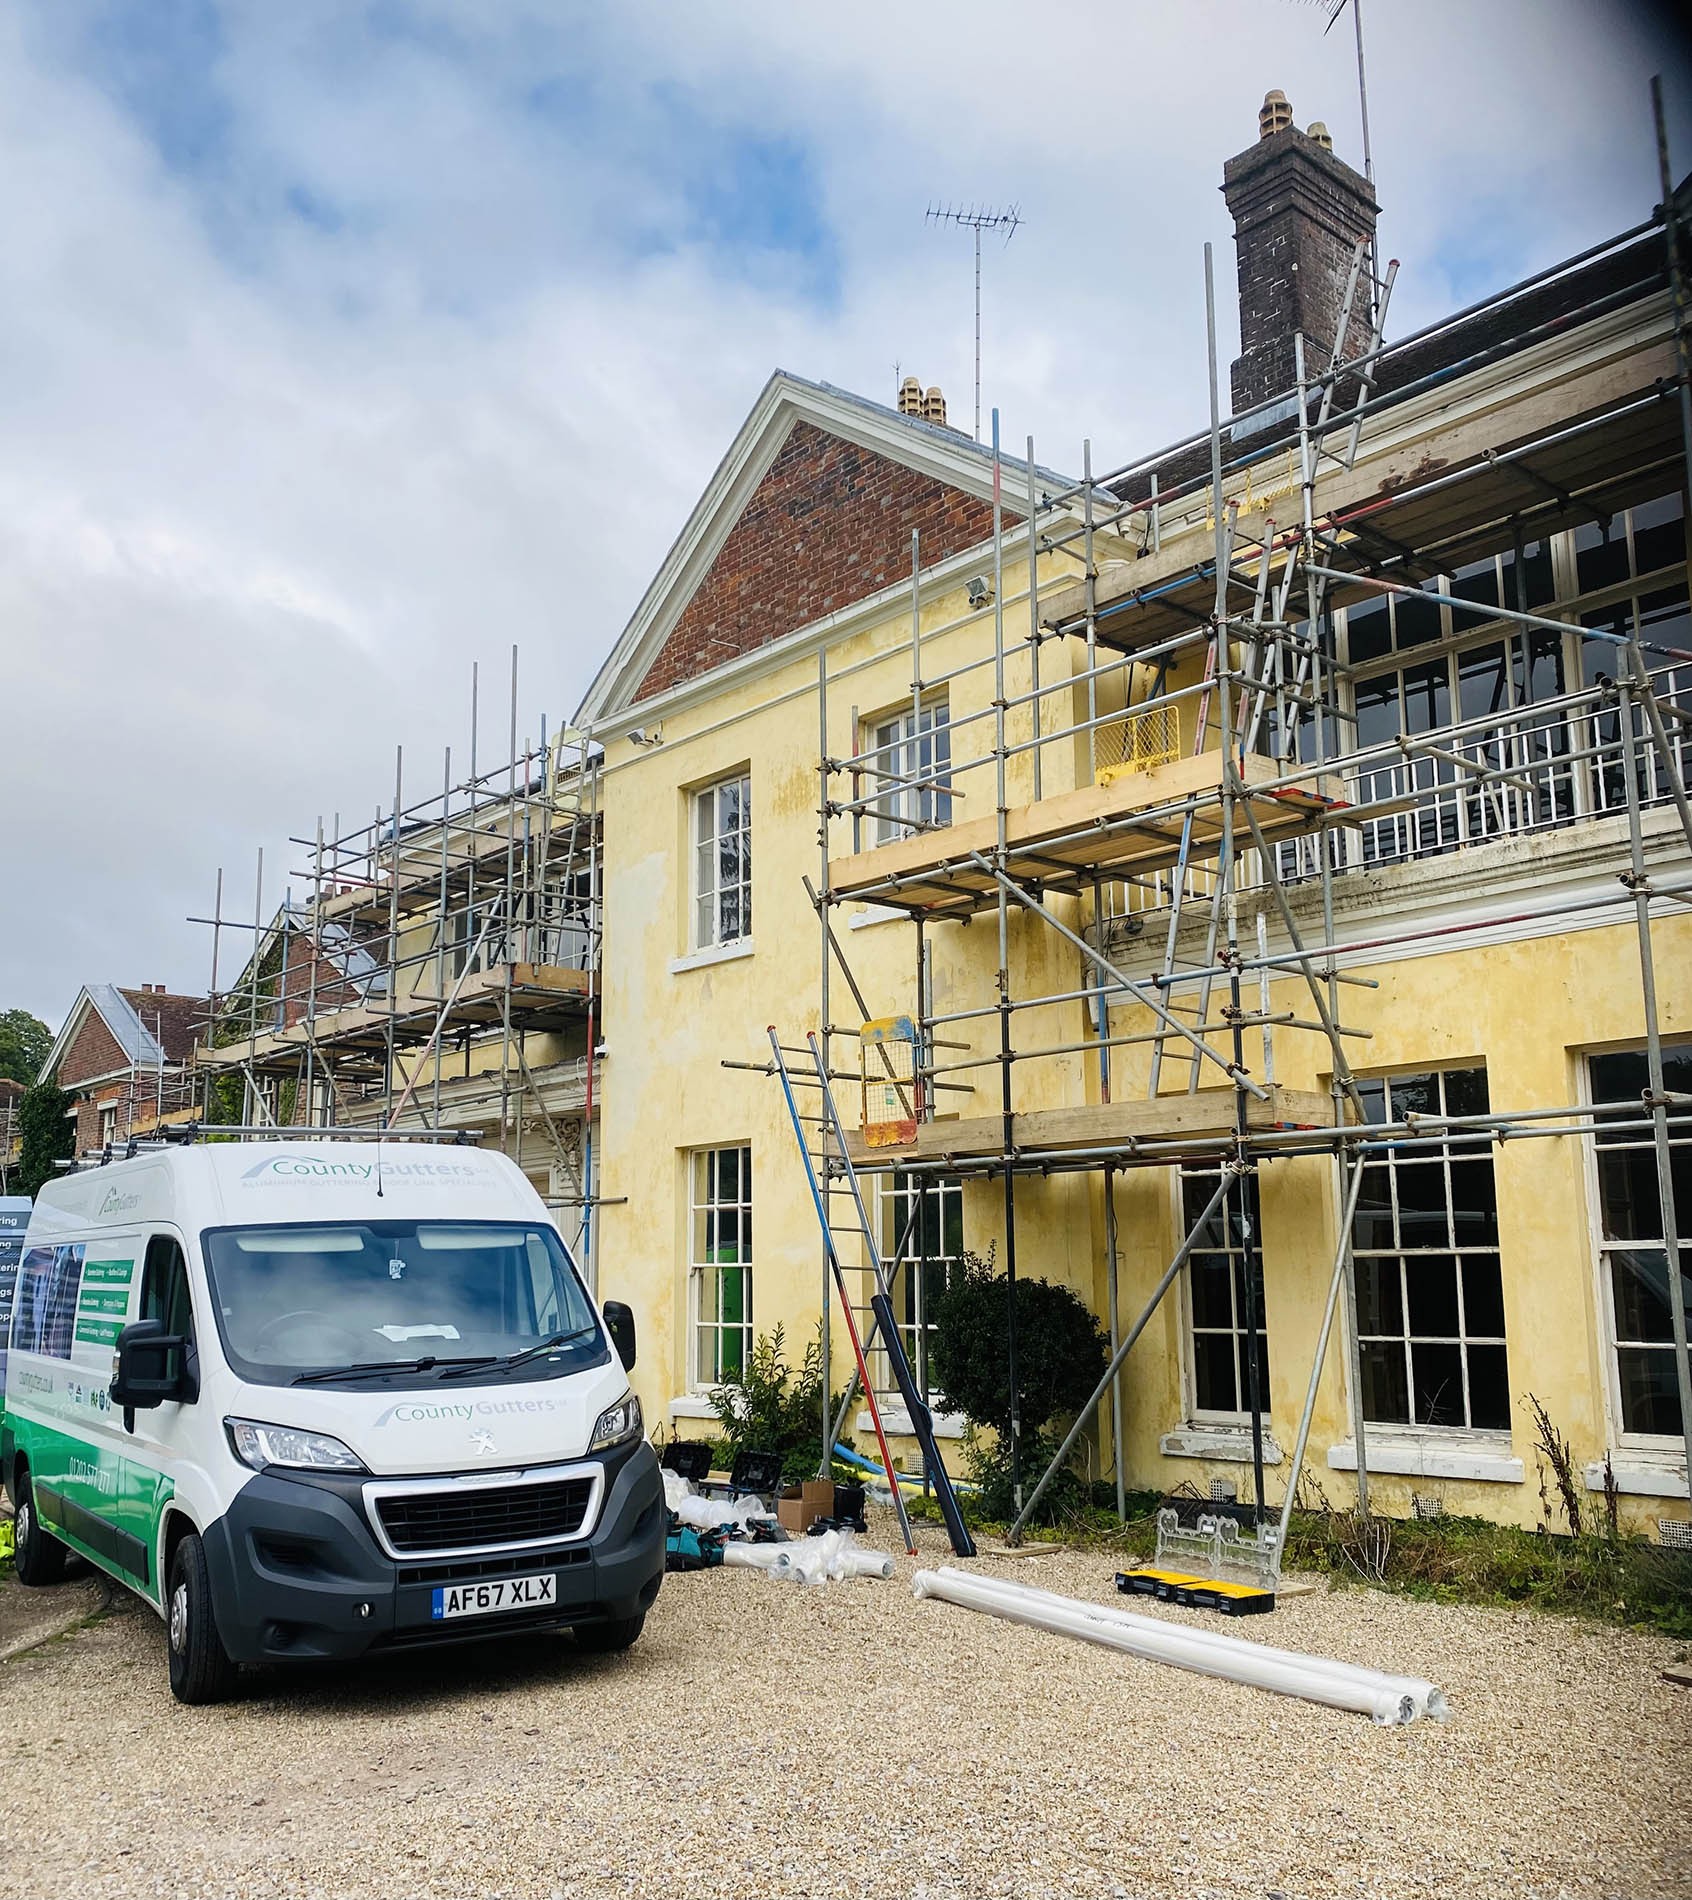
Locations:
{"points": [[113, 1520], [91, 1331], [105, 1299], [107, 1272]]}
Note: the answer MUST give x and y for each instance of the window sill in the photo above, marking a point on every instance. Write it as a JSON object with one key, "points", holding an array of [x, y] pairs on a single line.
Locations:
{"points": [[1223, 1443], [692, 1405], [717, 953], [1481, 1460], [1641, 1475], [897, 1421], [874, 914]]}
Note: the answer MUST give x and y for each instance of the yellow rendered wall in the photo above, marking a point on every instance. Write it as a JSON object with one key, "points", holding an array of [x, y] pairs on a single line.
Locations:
{"points": [[665, 1091], [1526, 1009], [1529, 1011]]}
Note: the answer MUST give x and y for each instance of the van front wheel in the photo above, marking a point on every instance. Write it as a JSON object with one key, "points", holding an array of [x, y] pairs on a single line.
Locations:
{"points": [[38, 1558], [200, 1667], [617, 1632]]}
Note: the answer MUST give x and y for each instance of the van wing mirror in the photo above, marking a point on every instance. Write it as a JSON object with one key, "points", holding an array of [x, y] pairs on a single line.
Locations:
{"points": [[619, 1323], [149, 1366]]}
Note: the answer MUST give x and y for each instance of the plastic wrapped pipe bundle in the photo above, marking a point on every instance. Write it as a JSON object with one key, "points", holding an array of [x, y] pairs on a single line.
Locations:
{"points": [[832, 1558], [1384, 1698], [709, 1514]]}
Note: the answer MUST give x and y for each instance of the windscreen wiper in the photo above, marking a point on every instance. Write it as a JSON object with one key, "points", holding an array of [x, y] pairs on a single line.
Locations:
{"points": [[528, 1352], [372, 1366]]}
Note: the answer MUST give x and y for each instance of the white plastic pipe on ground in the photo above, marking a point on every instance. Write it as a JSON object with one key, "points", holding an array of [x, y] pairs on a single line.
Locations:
{"points": [[1428, 1699], [862, 1563], [756, 1557], [1283, 1672]]}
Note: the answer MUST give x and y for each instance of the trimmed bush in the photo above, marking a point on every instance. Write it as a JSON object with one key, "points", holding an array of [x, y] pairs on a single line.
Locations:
{"points": [[1061, 1354]]}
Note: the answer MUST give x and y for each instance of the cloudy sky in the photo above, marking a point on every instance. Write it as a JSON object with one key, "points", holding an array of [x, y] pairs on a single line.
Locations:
{"points": [[345, 343]]}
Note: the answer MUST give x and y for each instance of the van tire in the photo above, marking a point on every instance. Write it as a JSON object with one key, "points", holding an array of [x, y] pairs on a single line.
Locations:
{"points": [[37, 1556], [200, 1667], [605, 1639]]}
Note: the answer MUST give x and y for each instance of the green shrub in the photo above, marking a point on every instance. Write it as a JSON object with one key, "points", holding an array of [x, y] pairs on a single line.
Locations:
{"points": [[775, 1407], [46, 1132], [1061, 1354]]}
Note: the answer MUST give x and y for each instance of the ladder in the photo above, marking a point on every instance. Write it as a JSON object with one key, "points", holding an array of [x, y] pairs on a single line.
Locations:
{"points": [[880, 1314]]}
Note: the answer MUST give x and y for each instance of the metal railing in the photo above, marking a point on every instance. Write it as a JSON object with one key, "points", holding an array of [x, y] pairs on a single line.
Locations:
{"points": [[1534, 768]]}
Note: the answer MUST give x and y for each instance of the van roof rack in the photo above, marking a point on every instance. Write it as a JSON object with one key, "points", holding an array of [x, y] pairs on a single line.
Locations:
{"points": [[179, 1134], [254, 1131]]}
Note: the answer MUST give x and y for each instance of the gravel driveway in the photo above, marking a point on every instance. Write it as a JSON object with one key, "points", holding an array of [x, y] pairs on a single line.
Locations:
{"points": [[765, 1739]]}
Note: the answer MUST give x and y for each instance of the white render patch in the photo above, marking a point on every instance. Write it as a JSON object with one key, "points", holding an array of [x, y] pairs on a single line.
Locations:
{"points": [[1411, 1457], [1222, 1443], [713, 953], [896, 1421], [1638, 1476]]}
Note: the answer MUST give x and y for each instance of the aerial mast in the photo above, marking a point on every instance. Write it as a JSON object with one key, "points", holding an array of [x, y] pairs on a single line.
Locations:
{"points": [[978, 218]]}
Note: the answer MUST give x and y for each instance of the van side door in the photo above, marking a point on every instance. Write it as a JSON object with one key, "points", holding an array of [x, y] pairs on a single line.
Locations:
{"points": [[161, 1436], [72, 1301]]}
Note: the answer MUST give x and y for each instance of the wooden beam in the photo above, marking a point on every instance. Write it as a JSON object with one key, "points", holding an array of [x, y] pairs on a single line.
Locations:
{"points": [[1206, 1115], [1098, 827]]}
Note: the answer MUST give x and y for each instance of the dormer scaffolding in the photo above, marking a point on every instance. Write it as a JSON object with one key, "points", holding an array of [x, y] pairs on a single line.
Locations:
{"points": [[442, 972]]}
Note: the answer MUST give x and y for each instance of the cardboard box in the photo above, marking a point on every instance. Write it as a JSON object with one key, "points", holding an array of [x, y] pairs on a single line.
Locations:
{"points": [[798, 1506]]}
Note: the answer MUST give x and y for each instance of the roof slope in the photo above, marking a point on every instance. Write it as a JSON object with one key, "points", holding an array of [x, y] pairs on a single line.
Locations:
{"points": [[1515, 319], [149, 1027], [172, 1020]]}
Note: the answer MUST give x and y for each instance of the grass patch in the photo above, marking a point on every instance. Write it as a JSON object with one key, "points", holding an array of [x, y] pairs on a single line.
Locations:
{"points": [[1625, 1580]]}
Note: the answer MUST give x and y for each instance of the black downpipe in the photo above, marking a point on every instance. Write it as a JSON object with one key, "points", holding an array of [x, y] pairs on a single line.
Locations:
{"points": [[1010, 1238], [922, 1425]]}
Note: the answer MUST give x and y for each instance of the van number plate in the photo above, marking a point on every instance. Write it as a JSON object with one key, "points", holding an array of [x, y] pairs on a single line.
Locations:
{"points": [[482, 1599]]}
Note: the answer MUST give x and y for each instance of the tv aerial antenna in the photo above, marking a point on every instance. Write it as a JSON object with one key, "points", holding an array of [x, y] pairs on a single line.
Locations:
{"points": [[1333, 9], [976, 219]]}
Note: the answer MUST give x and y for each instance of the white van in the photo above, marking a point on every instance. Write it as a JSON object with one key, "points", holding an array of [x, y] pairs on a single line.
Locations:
{"points": [[313, 1398]]}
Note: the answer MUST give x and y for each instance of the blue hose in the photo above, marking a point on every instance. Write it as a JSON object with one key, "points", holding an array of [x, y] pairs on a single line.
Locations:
{"points": [[904, 1477]]}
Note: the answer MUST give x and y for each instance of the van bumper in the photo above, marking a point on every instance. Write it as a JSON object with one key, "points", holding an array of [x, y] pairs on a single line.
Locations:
{"points": [[297, 1575]]}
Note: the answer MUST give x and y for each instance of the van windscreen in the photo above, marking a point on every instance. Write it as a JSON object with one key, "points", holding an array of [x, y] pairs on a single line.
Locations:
{"points": [[417, 1296]]}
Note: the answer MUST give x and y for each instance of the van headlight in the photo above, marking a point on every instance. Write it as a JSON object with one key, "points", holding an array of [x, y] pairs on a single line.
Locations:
{"points": [[617, 1424], [260, 1445]]}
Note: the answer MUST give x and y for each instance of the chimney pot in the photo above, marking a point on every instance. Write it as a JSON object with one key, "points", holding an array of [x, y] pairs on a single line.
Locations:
{"points": [[1320, 133], [1274, 115], [910, 397], [934, 407]]}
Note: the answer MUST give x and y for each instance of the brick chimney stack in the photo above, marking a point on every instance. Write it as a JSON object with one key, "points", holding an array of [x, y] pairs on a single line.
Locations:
{"points": [[1298, 214]]}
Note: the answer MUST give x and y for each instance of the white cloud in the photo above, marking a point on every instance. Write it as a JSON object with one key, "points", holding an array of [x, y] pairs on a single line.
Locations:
{"points": [[421, 345]]}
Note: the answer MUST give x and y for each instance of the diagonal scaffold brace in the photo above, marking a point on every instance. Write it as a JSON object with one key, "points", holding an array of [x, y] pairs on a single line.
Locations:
{"points": [[883, 1321]]}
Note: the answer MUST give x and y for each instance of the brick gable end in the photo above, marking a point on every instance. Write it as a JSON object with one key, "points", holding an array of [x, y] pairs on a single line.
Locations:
{"points": [[93, 1051], [829, 524]]}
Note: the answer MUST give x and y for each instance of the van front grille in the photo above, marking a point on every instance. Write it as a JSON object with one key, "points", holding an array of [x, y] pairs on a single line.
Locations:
{"points": [[484, 1519], [473, 1569]]}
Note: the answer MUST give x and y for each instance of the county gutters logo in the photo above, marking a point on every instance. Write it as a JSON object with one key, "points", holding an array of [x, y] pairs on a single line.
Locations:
{"points": [[418, 1412], [298, 1168]]}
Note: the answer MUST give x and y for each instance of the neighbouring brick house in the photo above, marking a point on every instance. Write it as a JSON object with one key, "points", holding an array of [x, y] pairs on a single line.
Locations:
{"points": [[127, 1054]]}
